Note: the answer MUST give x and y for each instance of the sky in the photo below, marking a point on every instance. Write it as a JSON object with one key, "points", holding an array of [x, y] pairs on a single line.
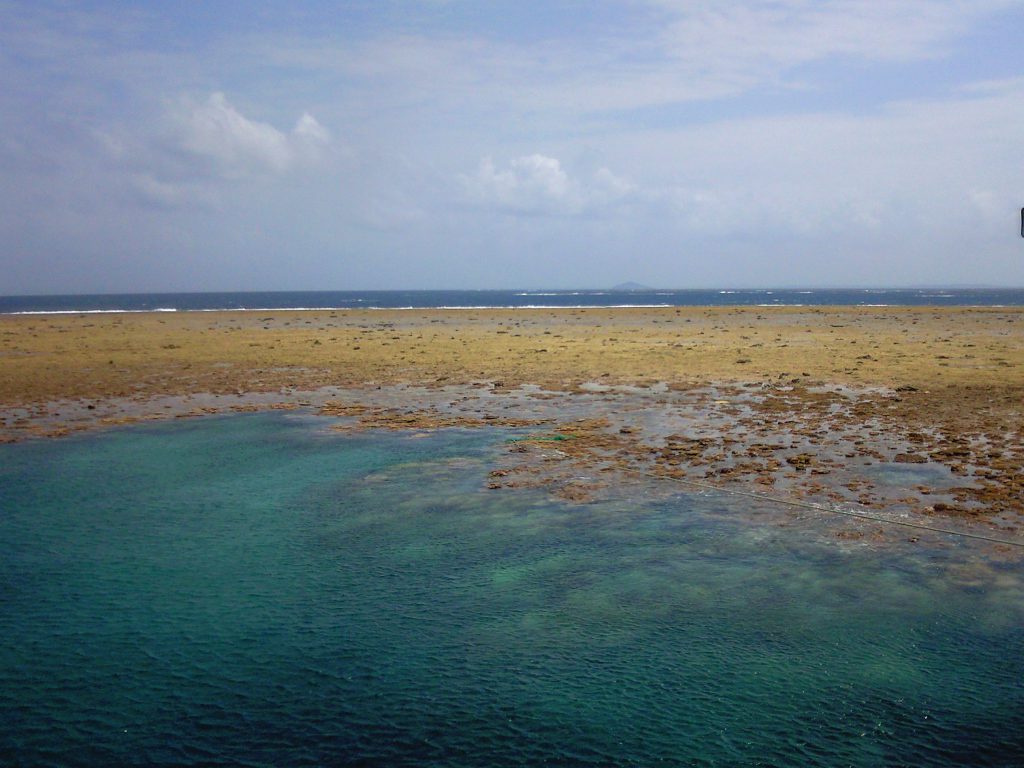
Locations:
{"points": [[377, 144]]}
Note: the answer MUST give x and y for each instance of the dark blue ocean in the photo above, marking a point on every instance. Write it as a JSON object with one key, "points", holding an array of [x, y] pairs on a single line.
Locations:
{"points": [[259, 590], [258, 300]]}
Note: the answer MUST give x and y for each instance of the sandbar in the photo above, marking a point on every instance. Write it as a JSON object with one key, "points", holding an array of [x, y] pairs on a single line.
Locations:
{"points": [[803, 401]]}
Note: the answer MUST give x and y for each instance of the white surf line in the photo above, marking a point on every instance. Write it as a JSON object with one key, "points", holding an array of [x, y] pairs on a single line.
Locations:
{"points": [[824, 508]]}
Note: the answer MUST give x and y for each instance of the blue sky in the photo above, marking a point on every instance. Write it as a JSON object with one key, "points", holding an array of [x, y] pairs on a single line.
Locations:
{"points": [[472, 144]]}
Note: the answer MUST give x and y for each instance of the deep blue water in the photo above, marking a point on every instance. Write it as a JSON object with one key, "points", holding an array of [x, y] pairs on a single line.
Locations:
{"points": [[522, 298], [258, 590]]}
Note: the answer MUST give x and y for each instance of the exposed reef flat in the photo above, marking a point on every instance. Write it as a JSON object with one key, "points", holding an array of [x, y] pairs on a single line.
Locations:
{"points": [[913, 409]]}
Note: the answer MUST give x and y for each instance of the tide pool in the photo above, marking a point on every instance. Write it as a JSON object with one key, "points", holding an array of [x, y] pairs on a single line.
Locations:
{"points": [[259, 590]]}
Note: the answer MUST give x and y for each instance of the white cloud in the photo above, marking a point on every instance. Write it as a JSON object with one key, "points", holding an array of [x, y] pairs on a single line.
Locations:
{"points": [[924, 175], [537, 184], [156, 192], [713, 49], [218, 132], [307, 129], [676, 51], [190, 153], [728, 33]]}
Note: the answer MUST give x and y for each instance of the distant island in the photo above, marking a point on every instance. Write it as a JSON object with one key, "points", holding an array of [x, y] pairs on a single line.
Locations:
{"points": [[632, 287]]}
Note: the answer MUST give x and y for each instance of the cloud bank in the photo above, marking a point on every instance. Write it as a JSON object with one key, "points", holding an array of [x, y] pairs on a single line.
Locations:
{"points": [[464, 144]]}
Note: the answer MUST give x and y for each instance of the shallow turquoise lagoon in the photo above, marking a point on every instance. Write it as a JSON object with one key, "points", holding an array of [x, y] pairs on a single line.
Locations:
{"points": [[260, 590]]}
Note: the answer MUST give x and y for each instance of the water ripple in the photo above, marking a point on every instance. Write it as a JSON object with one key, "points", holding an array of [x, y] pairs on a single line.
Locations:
{"points": [[280, 611]]}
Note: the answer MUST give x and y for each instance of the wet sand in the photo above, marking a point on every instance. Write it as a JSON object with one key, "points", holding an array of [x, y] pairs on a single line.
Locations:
{"points": [[913, 409]]}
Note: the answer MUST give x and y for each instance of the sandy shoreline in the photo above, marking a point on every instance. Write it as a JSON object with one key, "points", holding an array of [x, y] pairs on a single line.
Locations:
{"points": [[805, 401]]}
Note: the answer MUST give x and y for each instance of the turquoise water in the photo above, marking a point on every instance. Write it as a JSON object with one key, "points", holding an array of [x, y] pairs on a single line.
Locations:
{"points": [[259, 590]]}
